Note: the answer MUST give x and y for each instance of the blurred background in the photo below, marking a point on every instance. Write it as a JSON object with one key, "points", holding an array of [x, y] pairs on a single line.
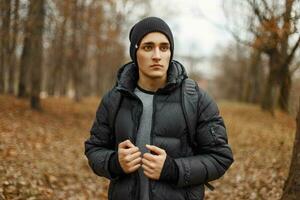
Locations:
{"points": [[57, 58]]}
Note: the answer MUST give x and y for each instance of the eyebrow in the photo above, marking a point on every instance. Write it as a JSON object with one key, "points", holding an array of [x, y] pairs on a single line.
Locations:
{"points": [[152, 43]]}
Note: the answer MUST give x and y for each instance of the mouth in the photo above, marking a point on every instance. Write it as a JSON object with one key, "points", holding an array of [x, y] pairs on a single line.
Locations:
{"points": [[156, 65]]}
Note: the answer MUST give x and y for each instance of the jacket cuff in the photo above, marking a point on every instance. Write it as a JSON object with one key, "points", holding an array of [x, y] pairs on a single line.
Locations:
{"points": [[169, 171], [114, 166]]}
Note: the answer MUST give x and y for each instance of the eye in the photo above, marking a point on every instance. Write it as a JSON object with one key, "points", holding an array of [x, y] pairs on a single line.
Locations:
{"points": [[164, 48], [147, 48]]}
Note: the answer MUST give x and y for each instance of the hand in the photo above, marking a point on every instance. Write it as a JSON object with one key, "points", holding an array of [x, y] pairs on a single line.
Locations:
{"points": [[129, 156], [153, 163]]}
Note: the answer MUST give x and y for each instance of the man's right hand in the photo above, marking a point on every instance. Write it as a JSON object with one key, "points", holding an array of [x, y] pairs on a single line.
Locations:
{"points": [[129, 156]]}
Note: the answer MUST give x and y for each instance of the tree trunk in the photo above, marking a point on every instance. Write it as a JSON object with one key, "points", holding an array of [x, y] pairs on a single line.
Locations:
{"points": [[24, 66], [269, 94], [80, 40], [284, 75], [59, 63], [253, 79], [5, 42], [1, 58], [12, 51], [291, 190], [285, 88], [38, 15], [256, 78], [268, 101], [1, 72], [1, 49]]}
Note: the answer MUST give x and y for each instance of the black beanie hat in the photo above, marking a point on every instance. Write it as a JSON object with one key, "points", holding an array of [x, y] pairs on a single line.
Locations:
{"points": [[145, 26]]}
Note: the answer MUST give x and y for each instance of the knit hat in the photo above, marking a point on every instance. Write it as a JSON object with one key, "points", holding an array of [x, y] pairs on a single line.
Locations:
{"points": [[145, 26]]}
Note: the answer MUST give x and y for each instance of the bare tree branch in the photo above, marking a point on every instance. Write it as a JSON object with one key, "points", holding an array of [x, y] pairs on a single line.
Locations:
{"points": [[297, 66], [253, 29], [292, 53], [256, 11], [239, 39], [266, 6], [296, 17]]}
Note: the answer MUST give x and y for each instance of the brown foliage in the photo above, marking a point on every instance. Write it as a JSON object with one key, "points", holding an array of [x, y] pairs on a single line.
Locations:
{"points": [[42, 153], [269, 27], [262, 147]]}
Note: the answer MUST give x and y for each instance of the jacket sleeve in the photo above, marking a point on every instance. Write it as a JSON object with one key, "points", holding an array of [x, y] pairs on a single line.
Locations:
{"points": [[213, 155], [99, 148]]}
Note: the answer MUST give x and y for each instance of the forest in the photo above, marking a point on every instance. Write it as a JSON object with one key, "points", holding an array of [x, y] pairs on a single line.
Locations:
{"points": [[58, 58]]}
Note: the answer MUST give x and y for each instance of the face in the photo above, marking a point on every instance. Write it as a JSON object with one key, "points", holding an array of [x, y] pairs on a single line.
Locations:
{"points": [[153, 56]]}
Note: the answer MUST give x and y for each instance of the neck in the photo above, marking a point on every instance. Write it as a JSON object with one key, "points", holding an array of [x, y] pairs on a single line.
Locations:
{"points": [[152, 84]]}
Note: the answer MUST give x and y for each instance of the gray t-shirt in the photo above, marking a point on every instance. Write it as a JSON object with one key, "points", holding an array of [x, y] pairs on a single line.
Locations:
{"points": [[143, 136]]}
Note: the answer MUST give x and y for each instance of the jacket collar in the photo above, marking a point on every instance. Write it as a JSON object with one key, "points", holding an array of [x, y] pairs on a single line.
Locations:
{"points": [[128, 76]]}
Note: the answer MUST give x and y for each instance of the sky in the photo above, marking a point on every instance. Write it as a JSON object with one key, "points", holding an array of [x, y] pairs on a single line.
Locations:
{"points": [[197, 27]]}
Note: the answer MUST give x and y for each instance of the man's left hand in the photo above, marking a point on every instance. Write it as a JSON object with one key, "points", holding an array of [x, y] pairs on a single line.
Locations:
{"points": [[153, 163]]}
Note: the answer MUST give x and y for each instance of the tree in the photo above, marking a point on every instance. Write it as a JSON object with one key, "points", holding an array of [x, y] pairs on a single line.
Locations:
{"points": [[32, 55], [12, 48], [56, 73], [38, 15], [5, 8], [234, 79], [291, 190], [83, 46], [117, 20], [9, 34], [23, 89], [269, 29]]}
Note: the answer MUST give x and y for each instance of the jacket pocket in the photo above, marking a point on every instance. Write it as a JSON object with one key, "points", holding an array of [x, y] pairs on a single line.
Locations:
{"points": [[218, 134], [212, 131]]}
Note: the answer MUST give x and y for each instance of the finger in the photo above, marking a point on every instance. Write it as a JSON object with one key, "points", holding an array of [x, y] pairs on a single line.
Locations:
{"points": [[123, 144], [135, 161], [129, 144], [155, 149], [148, 163], [126, 144], [149, 175], [134, 168], [149, 156], [128, 152], [133, 156], [147, 169], [131, 150]]}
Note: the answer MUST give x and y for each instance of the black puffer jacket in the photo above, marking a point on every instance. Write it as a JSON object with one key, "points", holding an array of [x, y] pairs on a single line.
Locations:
{"points": [[117, 119]]}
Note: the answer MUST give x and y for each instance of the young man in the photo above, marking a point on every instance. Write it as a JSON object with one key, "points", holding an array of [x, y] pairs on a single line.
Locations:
{"points": [[141, 139]]}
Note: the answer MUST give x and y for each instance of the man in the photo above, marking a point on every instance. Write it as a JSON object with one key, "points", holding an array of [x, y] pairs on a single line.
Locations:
{"points": [[140, 138]]}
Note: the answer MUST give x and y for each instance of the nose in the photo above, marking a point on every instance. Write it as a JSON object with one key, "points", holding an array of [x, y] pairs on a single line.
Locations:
{"points": [[156, 54]]}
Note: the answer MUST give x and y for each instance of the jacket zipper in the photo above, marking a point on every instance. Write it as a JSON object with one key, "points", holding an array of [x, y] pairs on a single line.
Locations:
{"points": [[151, 141], [212, 132], [137, 176]]}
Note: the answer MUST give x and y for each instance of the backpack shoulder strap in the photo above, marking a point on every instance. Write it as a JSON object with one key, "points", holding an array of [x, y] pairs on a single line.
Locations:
{"points": [[189, 101]]}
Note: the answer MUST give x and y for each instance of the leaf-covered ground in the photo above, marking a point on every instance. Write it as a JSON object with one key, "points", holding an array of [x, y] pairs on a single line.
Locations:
{"points": [[41, 153]]}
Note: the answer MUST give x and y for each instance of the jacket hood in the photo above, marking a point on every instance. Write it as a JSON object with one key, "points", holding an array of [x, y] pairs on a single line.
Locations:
{"points": [[128, 76]]}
